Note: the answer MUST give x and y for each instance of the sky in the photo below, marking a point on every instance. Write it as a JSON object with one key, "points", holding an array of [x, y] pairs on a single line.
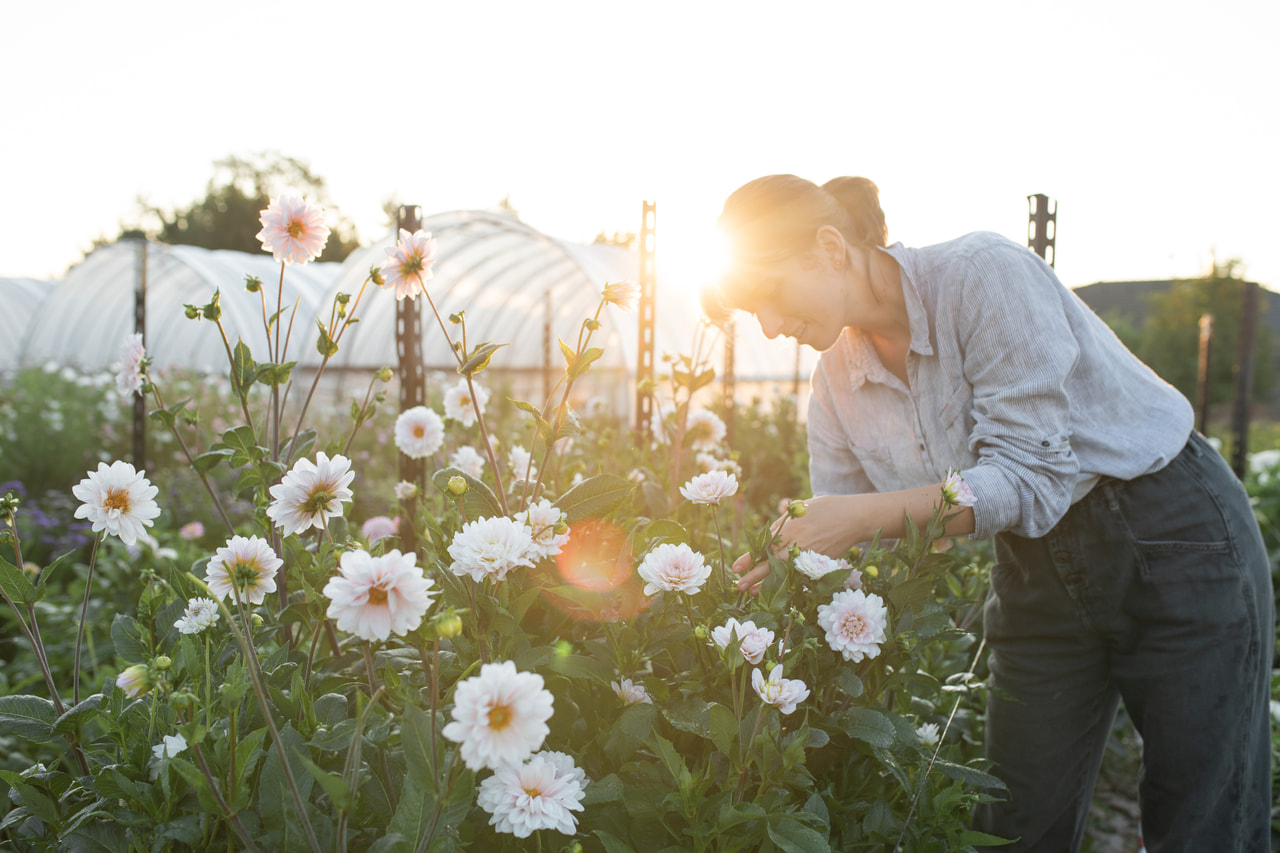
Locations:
{"points": [[1152, 126]]}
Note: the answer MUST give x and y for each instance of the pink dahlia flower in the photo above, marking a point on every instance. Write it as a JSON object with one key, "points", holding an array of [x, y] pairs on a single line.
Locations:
{"points": [[293, 229]]}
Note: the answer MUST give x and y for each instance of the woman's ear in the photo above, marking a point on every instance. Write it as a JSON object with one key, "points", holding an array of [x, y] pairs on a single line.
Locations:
{"points": [[832, 246]]}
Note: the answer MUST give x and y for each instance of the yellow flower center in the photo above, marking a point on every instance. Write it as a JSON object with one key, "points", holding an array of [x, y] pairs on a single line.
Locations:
{"points": [[499, 717], [377, 595], [412, 266], [317, 501], [296, 229], [244, 576], [853, 625], [533, 792], [117, 499], [419, 431]]}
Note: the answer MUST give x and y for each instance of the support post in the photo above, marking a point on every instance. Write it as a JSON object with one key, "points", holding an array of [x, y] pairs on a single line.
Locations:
{"points": [[1042, 227], [140, 327], [646, 280], [412, 380], [1244, 375], [1202, 373], [546, 350]]}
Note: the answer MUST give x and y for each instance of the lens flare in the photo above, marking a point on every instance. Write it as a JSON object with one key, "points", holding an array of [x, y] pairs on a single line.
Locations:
{"points": [[596, 568]]}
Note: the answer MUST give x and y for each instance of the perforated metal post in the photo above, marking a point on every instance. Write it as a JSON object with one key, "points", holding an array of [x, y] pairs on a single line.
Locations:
{"points": [[412, 375], [646, 280], [140, 327], [547, 380], [1042, 227]]}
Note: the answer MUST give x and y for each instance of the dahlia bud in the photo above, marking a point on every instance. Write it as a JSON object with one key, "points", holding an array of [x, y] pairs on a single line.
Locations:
{"points": [[796, 509], [256, 620], [384, 374], [375, 276], [448, 625], [457, 486], [163, 662]]}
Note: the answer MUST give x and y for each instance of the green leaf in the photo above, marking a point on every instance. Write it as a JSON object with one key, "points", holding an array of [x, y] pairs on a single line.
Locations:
{"points": [[48, 572], [606, 790], [672, 760], [207, 461], [594, 497], [30, 717], [848, 681], [794, 837], [35, 800], [969, 775], [333, 784], [664, 530], [73, 718], [275, 374], [567, 352], [974, 838], [544, 428], [415, 736], [301, 446], [15, 583], [274, 797], [325, 345], [331, 709], [613, 844], [243, 369], [724, 727], [128, 636], [869, 725], [689, 714], [478, 360], [243, 445], [584, 361], [582, 666], [478, 502]]}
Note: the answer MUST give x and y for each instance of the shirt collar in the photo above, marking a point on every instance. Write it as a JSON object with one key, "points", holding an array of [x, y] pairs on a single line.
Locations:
{"points": [[917, 318]]}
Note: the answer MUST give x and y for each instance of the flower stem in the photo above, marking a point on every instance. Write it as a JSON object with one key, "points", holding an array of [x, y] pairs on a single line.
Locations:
{"points": [[84, 609], [260, 693]]}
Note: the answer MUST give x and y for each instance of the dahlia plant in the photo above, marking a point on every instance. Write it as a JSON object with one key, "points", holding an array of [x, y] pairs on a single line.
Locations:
{"points": [[537, 645]]}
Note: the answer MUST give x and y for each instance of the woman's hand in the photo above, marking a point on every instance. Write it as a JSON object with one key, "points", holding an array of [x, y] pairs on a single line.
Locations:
{"points": [[832, 524], [826, 525]]}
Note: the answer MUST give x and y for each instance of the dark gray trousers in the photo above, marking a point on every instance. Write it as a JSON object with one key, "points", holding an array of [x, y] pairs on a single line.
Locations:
{"points": [[1155, 592]]}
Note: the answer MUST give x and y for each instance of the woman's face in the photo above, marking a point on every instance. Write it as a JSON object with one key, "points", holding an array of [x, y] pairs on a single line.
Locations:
{"points": [[801, 297]]}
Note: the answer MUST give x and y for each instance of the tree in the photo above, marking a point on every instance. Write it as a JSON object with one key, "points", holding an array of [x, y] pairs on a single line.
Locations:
{"points": [[227, 216], [1171, 334]]}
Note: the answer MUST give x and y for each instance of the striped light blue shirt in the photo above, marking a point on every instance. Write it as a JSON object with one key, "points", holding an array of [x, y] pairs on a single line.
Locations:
{"points": [[1013, 381]]}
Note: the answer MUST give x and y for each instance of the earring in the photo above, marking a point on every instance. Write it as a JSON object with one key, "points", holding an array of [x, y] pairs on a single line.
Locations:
{"points": [[839, 264]]}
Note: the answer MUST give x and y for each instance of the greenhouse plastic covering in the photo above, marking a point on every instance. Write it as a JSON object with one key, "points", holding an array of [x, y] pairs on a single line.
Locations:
{"points": [[514, 285]]}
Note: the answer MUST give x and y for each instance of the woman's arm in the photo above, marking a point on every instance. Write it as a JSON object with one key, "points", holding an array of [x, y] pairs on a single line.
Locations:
{"points": [[832, 524]]}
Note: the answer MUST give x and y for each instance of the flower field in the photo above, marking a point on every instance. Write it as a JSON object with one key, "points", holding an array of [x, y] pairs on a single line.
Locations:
{"points": [[269, 640]]}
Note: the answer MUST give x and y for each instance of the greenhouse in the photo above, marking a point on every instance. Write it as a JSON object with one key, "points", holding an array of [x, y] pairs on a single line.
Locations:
{"points": [[515, 286]]}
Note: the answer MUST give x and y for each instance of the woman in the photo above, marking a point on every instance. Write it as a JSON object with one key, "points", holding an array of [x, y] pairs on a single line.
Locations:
{"points": [[1129, 564]]}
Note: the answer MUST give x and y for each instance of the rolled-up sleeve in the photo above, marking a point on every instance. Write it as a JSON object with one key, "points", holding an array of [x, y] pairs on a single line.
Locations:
{"points": [[833, 468], [1019, 350]]}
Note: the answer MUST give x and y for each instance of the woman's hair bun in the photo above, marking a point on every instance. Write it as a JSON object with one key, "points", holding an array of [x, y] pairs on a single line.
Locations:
{"points": [[860, 198]]}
